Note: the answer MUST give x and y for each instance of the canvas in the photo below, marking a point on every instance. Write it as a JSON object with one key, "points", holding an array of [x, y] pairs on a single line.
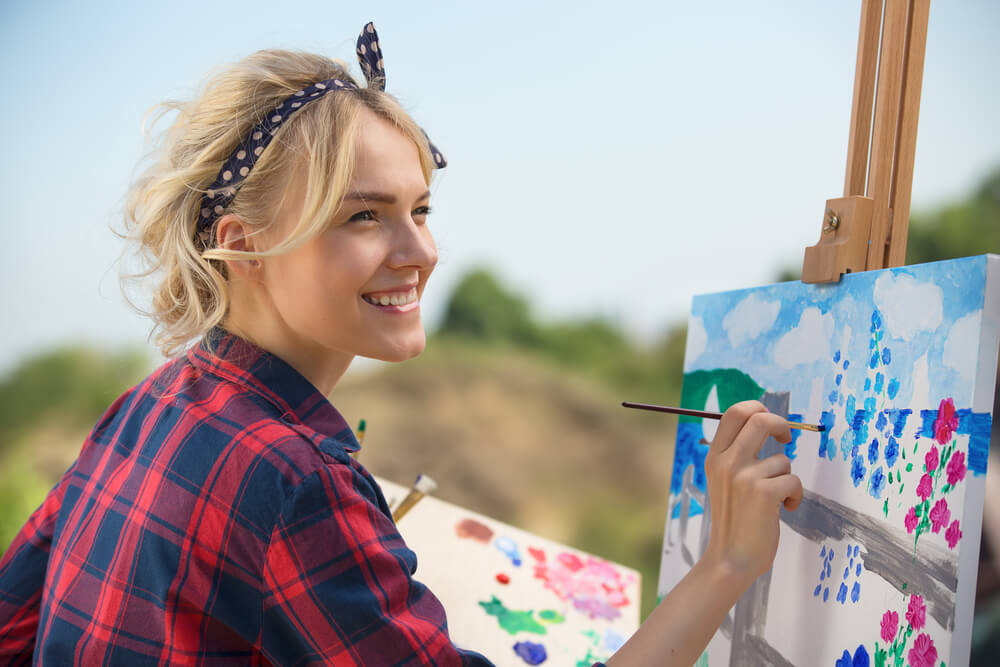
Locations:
{"points": [[878, 565], [515, 597]]}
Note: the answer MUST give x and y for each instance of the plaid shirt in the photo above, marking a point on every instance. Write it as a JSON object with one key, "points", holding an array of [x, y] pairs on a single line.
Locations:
{"points": [[215, 517]]}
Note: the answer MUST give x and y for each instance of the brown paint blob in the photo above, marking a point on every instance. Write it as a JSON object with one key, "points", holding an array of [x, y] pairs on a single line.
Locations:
{"points": [[473, 530]]}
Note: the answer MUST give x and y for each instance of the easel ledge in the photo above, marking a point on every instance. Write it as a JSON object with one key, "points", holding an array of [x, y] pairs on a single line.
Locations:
{"points": [[866, 229]]}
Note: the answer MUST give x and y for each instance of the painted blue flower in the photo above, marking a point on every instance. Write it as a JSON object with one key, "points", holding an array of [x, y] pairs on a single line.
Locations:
{"points": [[860, 657], [857, 470], [873, 363], [882, 421], [836, 357], [893, 388], [847, 363], [876, 319], [886, 356], [879, 381], [856, 592], [873, 451], [876, 483], [842, 593], [891, 452], [845, 660]]}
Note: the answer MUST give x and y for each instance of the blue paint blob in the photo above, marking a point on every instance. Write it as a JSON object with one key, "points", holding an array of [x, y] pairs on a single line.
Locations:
{"points": [[846, 570], [882, 421], [857, 572], [879, 382], [855, 551], [829, 570], [860, 657], [836, 356], [855, 592], [826, 420], [868, 384], [613, 640], [822, 575], [876, 483], [893, 387], [842, 593], [873, 363], [845, 660], [834, 395], [822, 552], [508, 547], [857, 471], [873, 451], [886, 356], [530, 652], [891, 452], [826, 594], [846, 364], [839, 379], [869, 407], [817, 590], [876, 320]]}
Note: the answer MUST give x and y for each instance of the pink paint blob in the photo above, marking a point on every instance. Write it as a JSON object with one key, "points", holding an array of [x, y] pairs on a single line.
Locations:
{"points": [[890, 624], [956, 468], [932, 459], [910, 521], [940, 514], [953, 534], [594, 586], [916, 612], [923, 653], [925, 487], [947, 421], [473, 530]]}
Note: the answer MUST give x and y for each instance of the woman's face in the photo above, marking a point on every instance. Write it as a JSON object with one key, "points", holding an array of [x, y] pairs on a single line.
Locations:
{"points": [[355, 289]]}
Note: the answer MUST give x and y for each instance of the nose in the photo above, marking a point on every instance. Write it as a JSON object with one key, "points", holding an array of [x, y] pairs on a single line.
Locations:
{"points": [[413, 246]]}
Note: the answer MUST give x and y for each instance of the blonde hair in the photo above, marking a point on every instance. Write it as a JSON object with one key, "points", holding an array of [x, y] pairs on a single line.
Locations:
{"points": [[191, 296]]}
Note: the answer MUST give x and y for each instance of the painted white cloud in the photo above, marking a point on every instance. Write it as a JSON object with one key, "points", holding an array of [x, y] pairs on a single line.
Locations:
{"points": [[749, 319], [697, 339], [806, 343], [907, 307], [961, 347]]}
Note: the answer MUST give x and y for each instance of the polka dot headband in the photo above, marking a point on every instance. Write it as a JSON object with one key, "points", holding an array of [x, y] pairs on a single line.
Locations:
{"points": [[235, 170]]}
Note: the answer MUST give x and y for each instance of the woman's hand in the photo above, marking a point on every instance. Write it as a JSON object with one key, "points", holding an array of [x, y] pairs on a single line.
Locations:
{"points": [[746, 493]]}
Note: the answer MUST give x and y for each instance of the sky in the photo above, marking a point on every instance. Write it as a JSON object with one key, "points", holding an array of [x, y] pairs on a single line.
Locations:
{"points": [[608, 159]]}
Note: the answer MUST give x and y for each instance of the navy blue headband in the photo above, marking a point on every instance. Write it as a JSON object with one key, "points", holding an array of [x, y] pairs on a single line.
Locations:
{"points": [[235, 170]]}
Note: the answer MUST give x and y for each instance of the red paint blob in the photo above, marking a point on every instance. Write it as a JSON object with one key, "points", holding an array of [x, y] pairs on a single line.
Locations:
{"points": [[474, 530], [503, 578]]}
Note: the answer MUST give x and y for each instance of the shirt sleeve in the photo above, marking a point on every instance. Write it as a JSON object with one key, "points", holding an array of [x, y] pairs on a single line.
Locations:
{"points": [[22, 577], [339, 586]]}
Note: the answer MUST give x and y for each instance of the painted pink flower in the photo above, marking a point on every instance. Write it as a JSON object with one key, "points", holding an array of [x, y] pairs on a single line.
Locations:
{"points": [[953, 534], [940, 514], [932, 459], [946, 423], [916, 612], [890, 624], [925, 487], [956, 468], [911, 520], [923, 653]]}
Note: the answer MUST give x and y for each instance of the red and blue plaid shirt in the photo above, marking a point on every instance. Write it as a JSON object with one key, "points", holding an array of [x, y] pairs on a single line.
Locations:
{"points": [[215, 517]]}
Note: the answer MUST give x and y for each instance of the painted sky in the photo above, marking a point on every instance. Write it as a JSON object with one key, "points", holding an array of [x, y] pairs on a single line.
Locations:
{"points": [[610, 158], [797, 338]]}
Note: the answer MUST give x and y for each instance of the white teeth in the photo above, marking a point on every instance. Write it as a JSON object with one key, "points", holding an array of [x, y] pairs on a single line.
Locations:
{"points": [[411, 297], [384, 300], [394, 300]]}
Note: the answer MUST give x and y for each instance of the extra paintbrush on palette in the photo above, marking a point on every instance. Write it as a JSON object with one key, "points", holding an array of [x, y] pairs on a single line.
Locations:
{"points": [[704, 414]]}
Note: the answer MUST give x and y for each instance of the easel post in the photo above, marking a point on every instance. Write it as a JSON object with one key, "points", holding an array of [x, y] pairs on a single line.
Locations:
{"points": [[867, 228]]}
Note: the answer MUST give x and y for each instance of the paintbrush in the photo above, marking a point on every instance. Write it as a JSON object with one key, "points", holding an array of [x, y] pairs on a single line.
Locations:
{"points": [[421, 487], [819, 428]]}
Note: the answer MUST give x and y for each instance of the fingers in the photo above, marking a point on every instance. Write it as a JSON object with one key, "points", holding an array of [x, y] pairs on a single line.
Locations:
{"points": [[757, 426], [786, 489], [732, 423]]}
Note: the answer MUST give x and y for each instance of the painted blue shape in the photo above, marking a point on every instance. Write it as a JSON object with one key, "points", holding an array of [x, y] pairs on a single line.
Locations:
{"points": [[846, 571], [869, 407], [826, 419], [873, 363], [855, 592], [816, 590], [873, 451], [876, 483], [846, 444], [876, 320], [688, 451], [882, 421], [857, 571], [822, 575], [860, 657], [530, 652], [879, 382], [844, 660], [826, 594], [839, 379], [791, 448], [886, 356], [855, 550], [872, 343], [836, 357], [694, 509], [976, 425], [868, 384], [847, 363], [829, 570], [613, 640], [508, 547], [834, 395], [893, 388], [857, 471], [854, 450], [898, 418], [822, 552], [927, 427], [842, 593]]}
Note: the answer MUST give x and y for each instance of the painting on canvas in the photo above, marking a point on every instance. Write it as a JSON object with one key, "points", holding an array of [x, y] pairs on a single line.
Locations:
{"points": [[513, 596], [878, 565]]}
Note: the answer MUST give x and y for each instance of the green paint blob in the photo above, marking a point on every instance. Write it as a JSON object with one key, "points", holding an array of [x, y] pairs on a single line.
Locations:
{"points": [[512, 621], [551, 616]]}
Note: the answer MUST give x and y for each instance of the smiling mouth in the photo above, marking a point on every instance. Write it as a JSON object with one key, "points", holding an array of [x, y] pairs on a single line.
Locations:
{"points": [[391, 298]]}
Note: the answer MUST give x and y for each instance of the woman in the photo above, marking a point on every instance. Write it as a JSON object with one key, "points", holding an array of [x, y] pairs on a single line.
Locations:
{"points": [[215, 515]]}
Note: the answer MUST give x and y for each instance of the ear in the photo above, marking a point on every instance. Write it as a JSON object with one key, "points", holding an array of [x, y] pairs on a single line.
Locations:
{"points": [[232, 233]]}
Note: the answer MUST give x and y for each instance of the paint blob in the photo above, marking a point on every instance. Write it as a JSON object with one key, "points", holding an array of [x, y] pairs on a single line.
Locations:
{"points": [[511, 620], [530, 652], [593, 586], [473, 530], [509, 548]]}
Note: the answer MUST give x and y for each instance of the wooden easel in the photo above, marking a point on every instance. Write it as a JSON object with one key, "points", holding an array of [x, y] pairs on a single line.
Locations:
{"points": [[866, 229]]}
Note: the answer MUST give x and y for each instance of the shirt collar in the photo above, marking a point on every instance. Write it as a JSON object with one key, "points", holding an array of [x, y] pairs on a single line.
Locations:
{"points": [[238, 360]]}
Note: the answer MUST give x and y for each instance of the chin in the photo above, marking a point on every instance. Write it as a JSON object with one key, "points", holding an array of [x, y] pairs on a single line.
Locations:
{"points": [[401, 350]]}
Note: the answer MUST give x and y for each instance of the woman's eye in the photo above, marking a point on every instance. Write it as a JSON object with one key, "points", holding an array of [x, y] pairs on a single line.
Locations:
{"points": [[362, 216], [423, 210]]}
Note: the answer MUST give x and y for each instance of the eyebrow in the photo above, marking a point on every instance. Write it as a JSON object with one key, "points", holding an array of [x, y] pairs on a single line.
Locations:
{"points": [[382, 197]]}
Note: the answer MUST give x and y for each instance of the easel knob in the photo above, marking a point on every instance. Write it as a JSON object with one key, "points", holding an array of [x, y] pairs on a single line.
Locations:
{"points": [[843, 244]]}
